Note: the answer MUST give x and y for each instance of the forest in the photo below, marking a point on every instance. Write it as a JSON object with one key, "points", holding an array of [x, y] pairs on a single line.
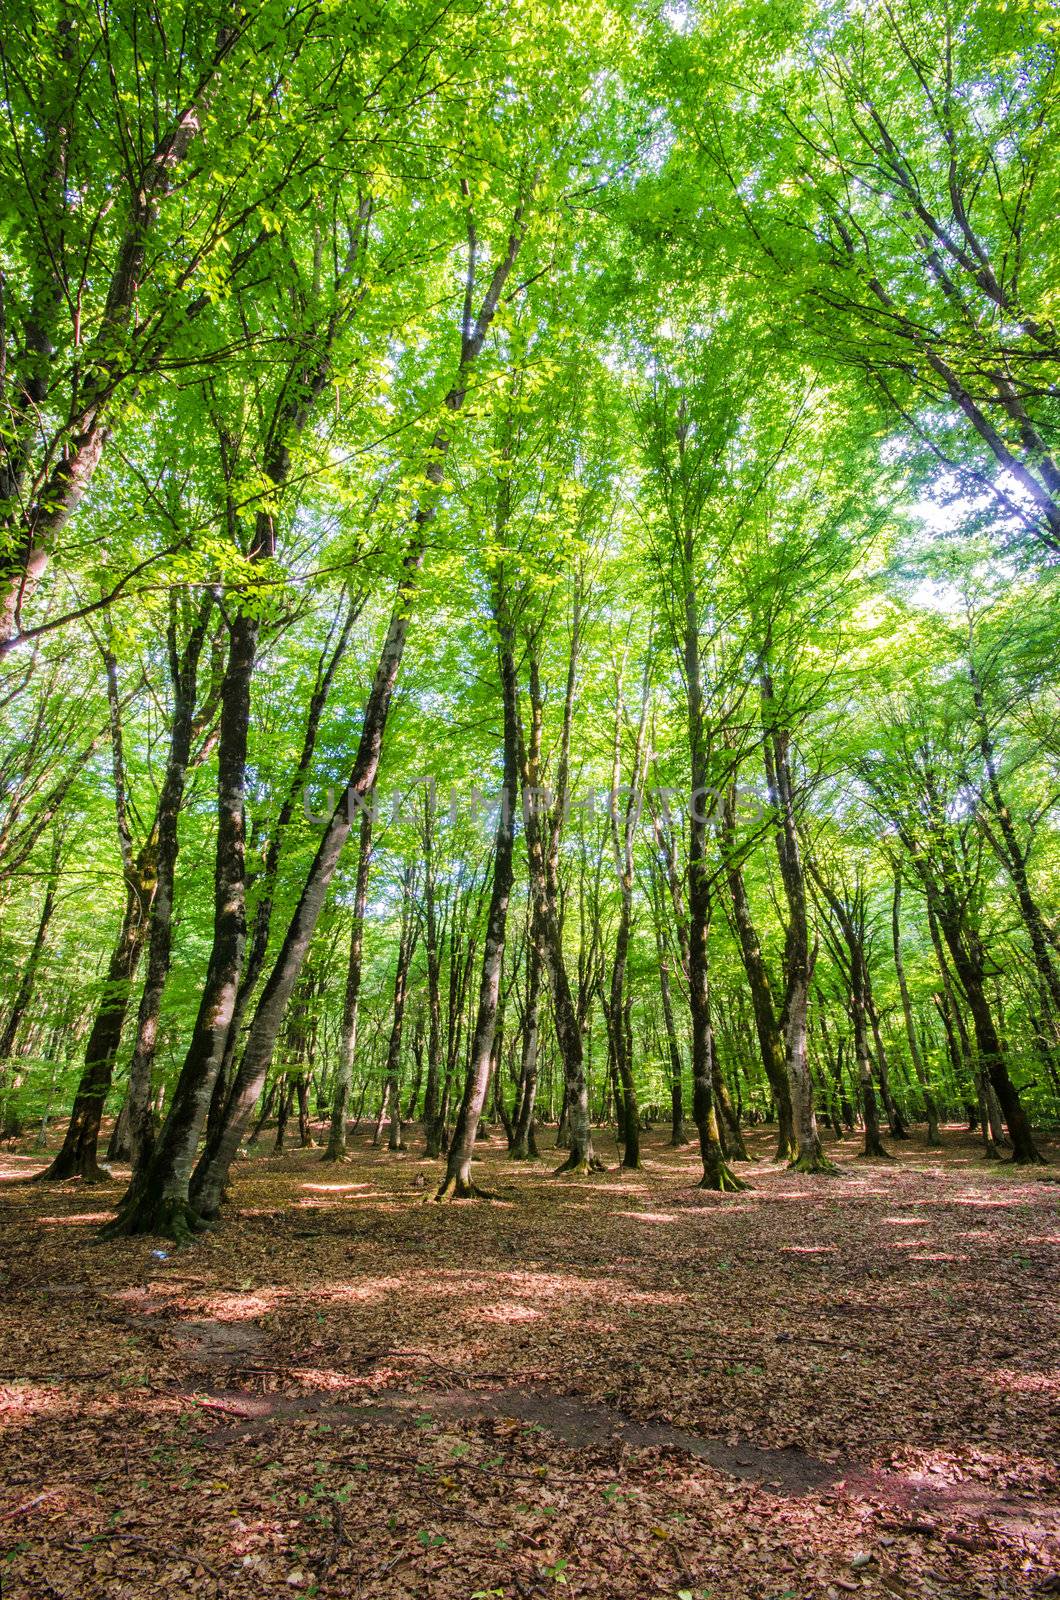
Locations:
{"points": [[529, 799]]}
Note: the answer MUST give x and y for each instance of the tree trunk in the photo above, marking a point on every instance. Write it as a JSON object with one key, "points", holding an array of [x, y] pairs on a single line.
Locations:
{"points": [[678, 1132], [184, 675], [729, 1119], [915, 1053], [78, 1157], [336, 1145], [523, 1132], [28, 980], [798, 959], [305, 1130], [767, 1025], [458, 1181], [283, 1111], [716, 1173], [969, 962], [157, 1200], [406, 945]]}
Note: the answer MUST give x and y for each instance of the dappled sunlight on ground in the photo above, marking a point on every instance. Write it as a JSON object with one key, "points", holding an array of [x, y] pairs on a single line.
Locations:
{"points": [[77, 1219], [348, 1387]]}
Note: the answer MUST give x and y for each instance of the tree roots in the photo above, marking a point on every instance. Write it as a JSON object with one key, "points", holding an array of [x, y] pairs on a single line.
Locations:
{"points": [[461, 1189], [722, 1180], [63, 1172], [579, 1166], [171, 1218], [814, 1161]]}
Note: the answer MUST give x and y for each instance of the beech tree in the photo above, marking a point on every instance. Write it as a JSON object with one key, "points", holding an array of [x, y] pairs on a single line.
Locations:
{"points": [[527, 587]]}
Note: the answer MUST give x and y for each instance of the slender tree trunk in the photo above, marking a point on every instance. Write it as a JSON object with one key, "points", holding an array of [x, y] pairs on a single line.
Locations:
{"points": [[27, 982], [991, 1057], [874, 1147], [729, 1117], [767, 1024], [266, 1110], [305, 1129], [282, 1113], [157, 1199], [678, 1132], [118, 1147], [716, 1173], [1014, 858], [78, 1156], [969, 962], [625, 1088], [458, 1181], [542, 840], [384, 1106], [406, 945], [915, 1054], [433, 955], [895, 1120], [522, 1135], [798, 959], [183, 668], [336, 1145]]}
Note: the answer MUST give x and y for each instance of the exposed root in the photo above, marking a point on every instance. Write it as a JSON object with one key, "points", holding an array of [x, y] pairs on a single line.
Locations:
{"points": [[721, 1179], [341, 1156], [1029, 1158], [171, 1218], [458, 1188], [579, 1166], [65, 1173], [876, 1154], [814, 1161]]}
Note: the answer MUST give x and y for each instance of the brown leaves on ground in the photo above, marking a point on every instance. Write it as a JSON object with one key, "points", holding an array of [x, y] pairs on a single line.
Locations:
{"points": [[578, 1389]]}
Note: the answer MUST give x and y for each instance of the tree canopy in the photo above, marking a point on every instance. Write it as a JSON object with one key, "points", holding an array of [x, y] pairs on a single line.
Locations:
{"points": [[528, 546]]}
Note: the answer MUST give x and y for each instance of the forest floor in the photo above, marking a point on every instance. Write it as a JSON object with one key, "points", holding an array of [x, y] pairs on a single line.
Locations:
{"points": [[622, 1388]]}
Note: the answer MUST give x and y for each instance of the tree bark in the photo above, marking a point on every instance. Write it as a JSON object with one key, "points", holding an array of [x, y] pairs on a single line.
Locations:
{"points": [[678, 1132], [798, 959], [767, 1023], [915, 1053], [458, 1182], [406, 945], [28, 980], [183, 668], [336, 1145], [157, 1198], [716, 1173], [543, 826], [523, 1143], [78, 1156]]}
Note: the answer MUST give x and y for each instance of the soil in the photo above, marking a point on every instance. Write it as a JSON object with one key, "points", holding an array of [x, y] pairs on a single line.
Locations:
{"points": [[610, 1386]]}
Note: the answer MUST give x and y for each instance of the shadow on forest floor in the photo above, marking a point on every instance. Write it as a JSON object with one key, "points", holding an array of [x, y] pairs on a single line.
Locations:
{"points": [[613, 1387]]}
